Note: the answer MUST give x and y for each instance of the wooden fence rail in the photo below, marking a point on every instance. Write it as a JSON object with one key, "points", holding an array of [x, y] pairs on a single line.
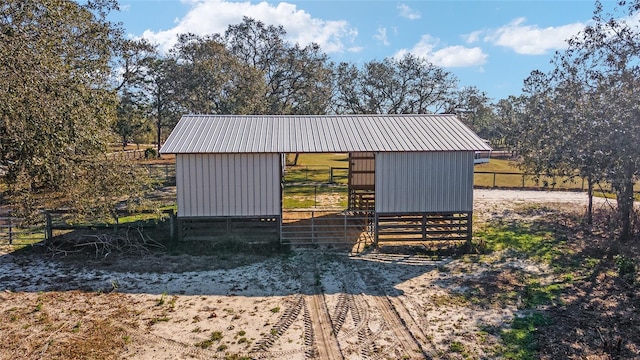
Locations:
{"points": [[13, 231]]}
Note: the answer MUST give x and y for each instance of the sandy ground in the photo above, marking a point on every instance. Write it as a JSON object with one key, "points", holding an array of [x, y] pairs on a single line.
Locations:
{"points": [[311, 303]]}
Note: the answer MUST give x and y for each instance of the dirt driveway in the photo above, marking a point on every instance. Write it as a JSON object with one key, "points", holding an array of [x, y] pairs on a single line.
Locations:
{"points": [[310, 303]]}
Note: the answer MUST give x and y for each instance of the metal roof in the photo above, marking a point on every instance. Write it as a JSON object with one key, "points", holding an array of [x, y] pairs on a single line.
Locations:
{"points": [[320, 134]]}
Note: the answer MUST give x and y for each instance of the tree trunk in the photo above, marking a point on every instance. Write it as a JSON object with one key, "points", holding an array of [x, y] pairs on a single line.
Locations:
{"points": [[625, 201], [158, 124], [295, 159], [590, 195]]}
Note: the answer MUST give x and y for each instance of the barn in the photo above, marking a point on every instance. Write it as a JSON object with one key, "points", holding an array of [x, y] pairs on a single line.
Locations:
{"points": [[411, 174]]}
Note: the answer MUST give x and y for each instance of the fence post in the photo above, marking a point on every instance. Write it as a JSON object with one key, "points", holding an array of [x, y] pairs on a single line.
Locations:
{"points": [[48, 229], [494, 179], [172, 225], [10, 230], [313, 231], [523, 175]]}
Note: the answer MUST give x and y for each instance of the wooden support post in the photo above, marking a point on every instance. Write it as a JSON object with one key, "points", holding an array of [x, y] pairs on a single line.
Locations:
{"points": [[375, 230], [48, 235], [313, 230]]}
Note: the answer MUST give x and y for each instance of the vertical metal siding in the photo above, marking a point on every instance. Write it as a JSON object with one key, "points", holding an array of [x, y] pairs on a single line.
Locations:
{"points": [[228, 185], [424, 182]]}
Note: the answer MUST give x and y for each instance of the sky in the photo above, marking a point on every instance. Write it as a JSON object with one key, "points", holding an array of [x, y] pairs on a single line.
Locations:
{"points": [[492, 45]]}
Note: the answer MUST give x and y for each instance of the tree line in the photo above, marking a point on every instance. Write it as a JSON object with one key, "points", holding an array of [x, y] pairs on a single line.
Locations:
{"points": [[71, 83], [252, 69]]}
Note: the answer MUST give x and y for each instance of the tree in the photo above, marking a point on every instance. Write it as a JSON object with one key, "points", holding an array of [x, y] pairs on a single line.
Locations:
{"points": [[584, 115], [57, 104], [408, 85], [508, 115], [297, 79], [133, 107], [209, 80], [131, 121], [474, 108]]}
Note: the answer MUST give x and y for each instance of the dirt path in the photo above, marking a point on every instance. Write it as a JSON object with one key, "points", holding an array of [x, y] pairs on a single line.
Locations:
{"points": [[307, 304]]}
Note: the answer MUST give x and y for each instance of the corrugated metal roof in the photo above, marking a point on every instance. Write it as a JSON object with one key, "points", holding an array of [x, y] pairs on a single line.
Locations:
{"points": [[320, 134]]}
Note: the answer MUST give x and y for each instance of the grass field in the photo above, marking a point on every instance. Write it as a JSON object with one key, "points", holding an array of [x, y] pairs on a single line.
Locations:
{"points": [[498, 173]]}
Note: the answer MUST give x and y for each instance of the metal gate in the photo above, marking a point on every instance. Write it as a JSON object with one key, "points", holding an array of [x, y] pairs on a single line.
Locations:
{"points": [[305, 227]]}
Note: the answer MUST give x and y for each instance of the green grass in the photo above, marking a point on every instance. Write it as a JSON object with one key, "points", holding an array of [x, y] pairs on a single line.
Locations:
{"points": [[325, 159], [316, 168], [308, 196], [545, 182], [538, 244], [519, 342]]}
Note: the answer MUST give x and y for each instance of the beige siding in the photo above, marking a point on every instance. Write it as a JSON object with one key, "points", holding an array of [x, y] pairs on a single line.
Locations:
{"points": [[424, 182], [228, 184]]}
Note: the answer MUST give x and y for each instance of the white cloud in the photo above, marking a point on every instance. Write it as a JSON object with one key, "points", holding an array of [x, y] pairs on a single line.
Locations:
{"points": [[381, 35], [450, 56], [472, 37], [214, 16], [409, 13], [531, 39]]}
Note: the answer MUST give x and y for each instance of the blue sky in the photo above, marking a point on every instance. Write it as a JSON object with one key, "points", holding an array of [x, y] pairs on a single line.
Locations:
{"points": [[492, 45]]}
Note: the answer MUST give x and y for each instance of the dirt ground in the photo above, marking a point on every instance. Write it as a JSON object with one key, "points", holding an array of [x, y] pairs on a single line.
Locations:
{"points": [[329, 304]]}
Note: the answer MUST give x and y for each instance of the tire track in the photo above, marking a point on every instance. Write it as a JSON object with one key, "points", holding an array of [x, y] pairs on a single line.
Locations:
{"points": [[395, 316], [322, 328], [281, 326], [351, 300]]}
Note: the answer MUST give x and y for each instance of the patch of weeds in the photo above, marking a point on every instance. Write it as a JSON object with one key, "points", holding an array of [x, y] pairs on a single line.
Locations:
{"points": [[449, 300], [160, 301], [242, 340], [76, 327], [626, 267], [242, 333], [215, 337], [159, 319], [172, 302], [274, 332], [535, 294], [538, 244], [126, 339], [519, 342], [222, 347], [456, 347], [275, 309], [197, 329]]}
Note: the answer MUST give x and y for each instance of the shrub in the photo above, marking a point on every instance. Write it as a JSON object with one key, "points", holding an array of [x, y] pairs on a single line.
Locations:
{"points": [[150, 153]]}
